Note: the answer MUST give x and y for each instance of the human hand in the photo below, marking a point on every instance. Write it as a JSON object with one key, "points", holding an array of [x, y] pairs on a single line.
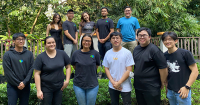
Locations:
{"points": [[40, 95], [103, 40], [183, 92], [75, 41], [117, 86], [65, 84], [21, 86]]}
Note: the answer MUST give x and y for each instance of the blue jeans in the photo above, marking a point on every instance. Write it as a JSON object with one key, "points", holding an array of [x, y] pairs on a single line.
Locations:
{"points": [[86, 96], [175, 99], [14, 93], [103, 48]]}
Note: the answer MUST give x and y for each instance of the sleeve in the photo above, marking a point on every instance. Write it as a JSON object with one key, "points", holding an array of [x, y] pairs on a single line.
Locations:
{"points": [[10, 76], [97, 58], [111, 23], [94, 24], [75, 28], [160, 60], [97, 25], [64, 26], [118, 24], [66, 58], [73, 59], [30, 72], [189, 58], [105, 62], [137, 25], [129, 59], [38, 63]]}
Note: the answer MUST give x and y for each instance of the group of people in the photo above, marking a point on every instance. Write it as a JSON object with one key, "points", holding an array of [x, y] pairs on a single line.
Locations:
{"points": [[175, 69]]}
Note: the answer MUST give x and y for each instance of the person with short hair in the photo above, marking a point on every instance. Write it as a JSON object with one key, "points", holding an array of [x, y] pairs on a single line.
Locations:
{"points": [[150, 70], [128, 26], [49, 75], [118, 63], [55, 29], [85, 80], [70, 34], [182, 69], [17, 65], [104, 27]]}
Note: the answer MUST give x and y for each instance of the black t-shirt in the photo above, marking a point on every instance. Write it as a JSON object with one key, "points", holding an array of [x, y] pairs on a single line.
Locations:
{"points": [[179, 71], [86, 70], [52, 76], [71, 27], [104, 26], [148, 61]]}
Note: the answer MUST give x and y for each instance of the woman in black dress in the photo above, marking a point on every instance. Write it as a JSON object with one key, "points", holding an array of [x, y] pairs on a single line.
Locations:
{"points": [[55, 29]]}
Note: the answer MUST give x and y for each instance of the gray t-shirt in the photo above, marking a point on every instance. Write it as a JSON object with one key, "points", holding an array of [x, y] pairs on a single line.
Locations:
{"points": [[86, 70], [88, 27], [71, 27]]}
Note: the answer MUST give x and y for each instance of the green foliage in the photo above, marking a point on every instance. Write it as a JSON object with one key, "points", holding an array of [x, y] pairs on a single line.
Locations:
{"points": [[103, 97]]}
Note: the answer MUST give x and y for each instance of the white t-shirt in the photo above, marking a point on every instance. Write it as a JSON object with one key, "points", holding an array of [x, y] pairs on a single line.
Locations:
{"points": [[117, 63]]}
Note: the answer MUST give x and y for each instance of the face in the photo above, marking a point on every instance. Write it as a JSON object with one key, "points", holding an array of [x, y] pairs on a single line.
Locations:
{"points": [[144, 38], [50, 44], [116, 41], [127, 12], [169, 42], [104, 12], [86, 42], [19, 42], [57, 19], [70, 15], [86, 17]]}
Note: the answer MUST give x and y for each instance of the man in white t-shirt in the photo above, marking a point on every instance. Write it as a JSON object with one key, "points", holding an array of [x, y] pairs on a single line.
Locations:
{"points": [[118, 63]]}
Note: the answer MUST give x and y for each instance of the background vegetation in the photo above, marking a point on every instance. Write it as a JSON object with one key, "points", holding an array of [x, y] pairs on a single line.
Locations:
{"points": [[29, 16]]}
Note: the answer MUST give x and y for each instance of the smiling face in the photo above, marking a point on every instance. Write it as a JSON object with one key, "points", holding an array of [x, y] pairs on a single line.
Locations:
{"points": [[50, 44], [127, 12], [104, 12], [143, 38], [70, 15], [57, 19], [86, 42], [19, 42], [86, 17], [116, 41], [169, 42]]}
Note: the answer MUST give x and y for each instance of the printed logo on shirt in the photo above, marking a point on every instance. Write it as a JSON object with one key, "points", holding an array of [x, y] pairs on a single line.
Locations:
{"points": [[106, 20], [173, 67], [74, 24], [115, 58], [92, 56], [20, 61]]}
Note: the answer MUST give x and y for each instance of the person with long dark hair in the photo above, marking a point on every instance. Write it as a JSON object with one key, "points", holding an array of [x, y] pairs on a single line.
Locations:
{"points": [[86, 26], [55, 29], [85, 80], [49, 76]]}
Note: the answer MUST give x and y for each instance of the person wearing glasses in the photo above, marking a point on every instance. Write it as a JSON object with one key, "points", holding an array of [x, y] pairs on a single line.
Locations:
{"points": [[85, 62], [150, 69], [17, 65], [128, 26]]}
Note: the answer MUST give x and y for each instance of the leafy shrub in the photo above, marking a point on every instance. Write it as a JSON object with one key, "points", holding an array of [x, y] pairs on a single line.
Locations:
{"points": [[103, 97]]}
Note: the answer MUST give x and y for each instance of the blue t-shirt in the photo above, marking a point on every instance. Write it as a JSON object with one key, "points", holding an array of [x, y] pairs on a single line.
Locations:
{"points": [[128, 27]]}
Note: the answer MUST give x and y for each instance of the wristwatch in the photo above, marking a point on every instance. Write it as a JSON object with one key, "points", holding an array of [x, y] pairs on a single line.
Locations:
{"points": [[187, 87]]}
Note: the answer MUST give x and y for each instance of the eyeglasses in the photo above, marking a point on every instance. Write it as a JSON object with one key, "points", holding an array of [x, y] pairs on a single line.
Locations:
{"points": [[113, 38], [89, 41], [144, 36], [20, 39]]}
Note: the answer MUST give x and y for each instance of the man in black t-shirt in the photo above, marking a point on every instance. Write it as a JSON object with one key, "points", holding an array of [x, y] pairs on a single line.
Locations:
{"points": [[150, 69], [182, 69], [70, 34], [104, 28]]}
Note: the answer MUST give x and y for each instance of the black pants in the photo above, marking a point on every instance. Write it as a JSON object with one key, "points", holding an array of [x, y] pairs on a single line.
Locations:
{"points": [[52, 98], [114, 94], [148, 97], [14, 93]]}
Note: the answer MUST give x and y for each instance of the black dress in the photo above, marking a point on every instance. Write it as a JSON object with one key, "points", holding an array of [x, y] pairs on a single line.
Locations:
{"points": [[56, 34]]}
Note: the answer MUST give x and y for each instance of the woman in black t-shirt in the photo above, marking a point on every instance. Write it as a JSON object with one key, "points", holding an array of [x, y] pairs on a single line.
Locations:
{"points": [[49, 76], [85, 62]]}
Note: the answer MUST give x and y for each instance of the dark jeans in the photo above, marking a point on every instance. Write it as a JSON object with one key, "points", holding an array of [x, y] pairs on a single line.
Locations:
{"points": [[148, 97], [114, 94], [14, 93], [103, 48], [52, 98]]}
